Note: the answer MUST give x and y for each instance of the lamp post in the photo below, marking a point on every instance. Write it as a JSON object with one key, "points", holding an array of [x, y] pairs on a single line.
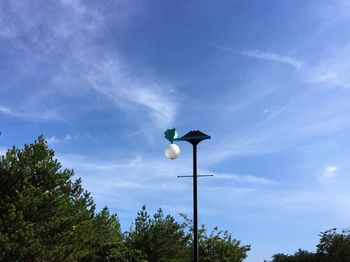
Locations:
{"points": [[172, 151]]}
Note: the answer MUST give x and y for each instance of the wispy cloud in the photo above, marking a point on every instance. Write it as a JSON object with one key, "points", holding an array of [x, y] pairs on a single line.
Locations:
{"points": [[329, 172], [52, 140], [75, 5], [64, 44], [331, 69], [331, 13], [249, 179], [126, 183], [272, 57], [153, 181], [135, 94], [42, 116], [264, 56], [273, 134], [158, 167]]}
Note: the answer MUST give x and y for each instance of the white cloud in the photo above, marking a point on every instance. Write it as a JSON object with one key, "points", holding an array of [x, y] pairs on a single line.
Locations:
{"points": [[291, 124], [113, 80], [51, 115], [55, 140], [329, 172], [75, 5], [264, 56], [156, 174], [272, 57], [302, 117], [6, 110], [131, 181], [65, 41], [331, 69], [331, 13], [244, 179]]}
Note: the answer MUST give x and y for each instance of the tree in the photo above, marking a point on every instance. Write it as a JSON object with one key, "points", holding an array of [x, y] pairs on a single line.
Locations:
{"points": [[108, 240], [47, 216], [299, 256], [44, 216], [159, 239], [333, 247], [219, 246]]}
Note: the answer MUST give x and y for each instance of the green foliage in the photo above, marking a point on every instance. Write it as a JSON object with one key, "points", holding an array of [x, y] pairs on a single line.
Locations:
{"points": [[333, 247], [107, 240], [44, 215], [299, 256], [219, 246], [47, 216], [159, 238]]}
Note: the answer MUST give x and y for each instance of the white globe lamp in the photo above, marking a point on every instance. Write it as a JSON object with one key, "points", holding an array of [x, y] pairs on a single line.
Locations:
{"points": [[172, 151]]}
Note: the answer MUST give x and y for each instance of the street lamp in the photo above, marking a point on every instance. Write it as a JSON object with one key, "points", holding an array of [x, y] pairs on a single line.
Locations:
{"points": [[172, 151]]}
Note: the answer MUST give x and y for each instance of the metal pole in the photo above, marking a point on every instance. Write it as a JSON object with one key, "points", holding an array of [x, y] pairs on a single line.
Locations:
{"points": [[194, 137], [195, 214]]}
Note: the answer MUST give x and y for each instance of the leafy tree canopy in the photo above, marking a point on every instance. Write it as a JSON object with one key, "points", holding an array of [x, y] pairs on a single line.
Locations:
{"points": [[161, 238], [46, 215], [333, 247]]}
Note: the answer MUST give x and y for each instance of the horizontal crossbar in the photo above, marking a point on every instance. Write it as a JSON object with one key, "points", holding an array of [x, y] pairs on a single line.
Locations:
{"points": [[197, 176]]}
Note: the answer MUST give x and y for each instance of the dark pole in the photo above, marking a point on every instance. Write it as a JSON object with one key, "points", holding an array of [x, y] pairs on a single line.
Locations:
{"points": [[193, 137], [195, 213]]}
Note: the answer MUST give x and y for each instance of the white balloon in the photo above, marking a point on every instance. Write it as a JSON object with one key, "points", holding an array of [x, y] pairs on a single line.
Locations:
{"points": [[172, 151]]}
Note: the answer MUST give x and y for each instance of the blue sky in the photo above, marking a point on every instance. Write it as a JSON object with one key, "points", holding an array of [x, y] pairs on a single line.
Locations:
{"points": [[268, 80]]}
